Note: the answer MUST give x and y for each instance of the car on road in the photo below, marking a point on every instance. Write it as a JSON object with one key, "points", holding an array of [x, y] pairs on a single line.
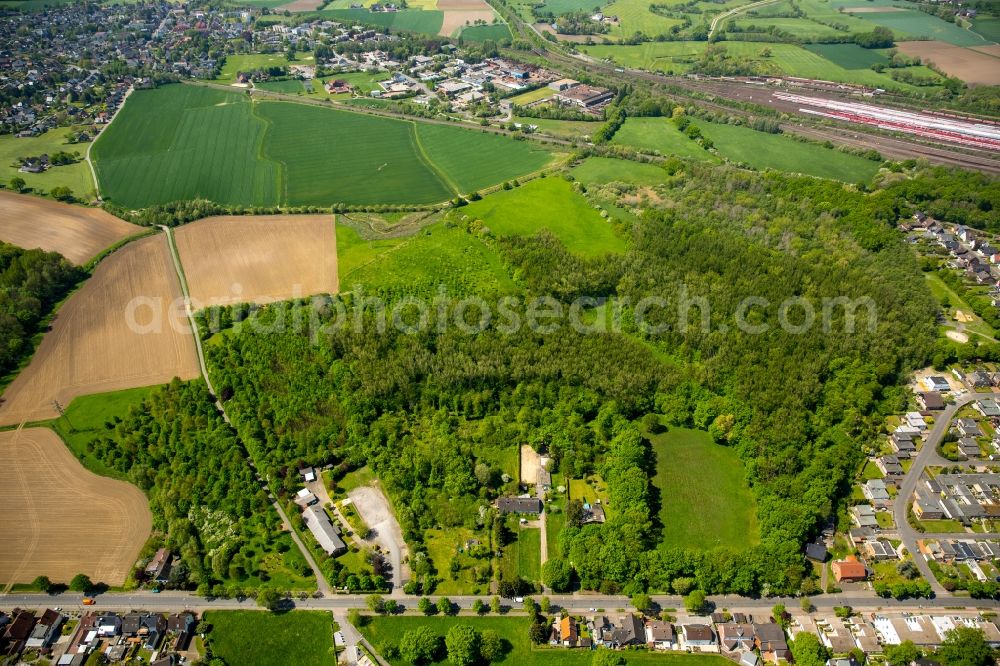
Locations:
{"points": [[88, 601]]}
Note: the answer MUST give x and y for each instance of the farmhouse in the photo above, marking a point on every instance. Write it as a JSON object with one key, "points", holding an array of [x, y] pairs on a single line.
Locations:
{"points": [[520, 505], [326, 533]]}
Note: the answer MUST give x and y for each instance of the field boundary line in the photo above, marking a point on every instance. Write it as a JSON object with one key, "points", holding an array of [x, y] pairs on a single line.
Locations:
{"points": [[93, 171], [282, 166], [428, 162], [734, 12]]}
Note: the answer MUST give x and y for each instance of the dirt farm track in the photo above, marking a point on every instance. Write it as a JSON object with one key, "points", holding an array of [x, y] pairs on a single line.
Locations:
{"points": [[124, 328], [260, 259], [59, 519], [75, 232]]}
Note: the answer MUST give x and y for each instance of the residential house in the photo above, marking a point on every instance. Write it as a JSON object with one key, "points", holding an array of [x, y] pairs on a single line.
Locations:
{"points": [[968, 447], [749, 659], [863, 515], [876, 492], [915, 420], [929, 508], [305, 498], [698, 638], [520, 505], [565, 632], [889, 465], [969, 428], [979, 378], [903, 444], [937, 383], [849, 570], [835, 635], [879, 550], [660, 635], [988, 408], [158, 569], [308, 474], [17, 632], [46, 631], [625, 630], [183, 625], [930, 401], [816, 551], [771, 642], [736, 637]]}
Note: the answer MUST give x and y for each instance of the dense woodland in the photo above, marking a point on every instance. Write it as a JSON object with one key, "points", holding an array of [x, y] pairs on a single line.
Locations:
{"points": [[205, 498], [434, 413], [31, 283]]}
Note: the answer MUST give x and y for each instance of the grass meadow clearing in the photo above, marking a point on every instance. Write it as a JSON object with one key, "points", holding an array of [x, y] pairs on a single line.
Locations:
{"points": [[661, 135], [705, 501], [553, 205], [608, 170], [912, 23], [250, 61], [303, 638], [184, 142], [384, 631]]}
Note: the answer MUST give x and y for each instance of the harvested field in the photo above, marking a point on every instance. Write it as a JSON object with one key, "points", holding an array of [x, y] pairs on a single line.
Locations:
{"points": [[993, 50], [92, 347], [459, 12], [975, 66], [75, 232], [60, 519], [259, 259]]}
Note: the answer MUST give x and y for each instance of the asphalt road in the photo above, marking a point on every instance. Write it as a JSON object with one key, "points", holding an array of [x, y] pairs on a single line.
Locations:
{"points": [[928, 455], [575, 603]]}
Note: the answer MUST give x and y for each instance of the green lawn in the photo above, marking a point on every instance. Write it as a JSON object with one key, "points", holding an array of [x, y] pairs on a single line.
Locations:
{"points": [[607, 170], [705, 501], [383, 632], [942, 526], [941, 291], [287, 86], [251, 61], [74, 176], [774, 151], [568, 129], [445, 546], [551, 204], [528, 549], [554, 522], [531, 96], [433, 256], [85, 418], [302, 638], [659, 135], [182, 142]]}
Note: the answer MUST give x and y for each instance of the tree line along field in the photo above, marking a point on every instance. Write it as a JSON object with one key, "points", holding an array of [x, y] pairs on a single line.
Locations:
{"points": [[184, 142]]}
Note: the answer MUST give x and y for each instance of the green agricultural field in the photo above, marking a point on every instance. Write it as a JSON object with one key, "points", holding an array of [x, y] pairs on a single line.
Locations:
{"points": [[606, 170], [659, 134], [185, 142], [774, 151], [558, 7], [327, 155], [303, 638], [385, 631], [74, 176], [551, 204], [458, 156], [480, 33], [913, 24], [412, 20], [288, 86], [705, 501], [988, 27], [635, 16], [848, 56], [436, 255], [802, 28]]}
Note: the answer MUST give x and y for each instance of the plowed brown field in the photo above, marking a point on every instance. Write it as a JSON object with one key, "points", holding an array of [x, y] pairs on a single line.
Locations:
{"points": [[258, 259], [59, 520], [123, 329], [75, 232]]}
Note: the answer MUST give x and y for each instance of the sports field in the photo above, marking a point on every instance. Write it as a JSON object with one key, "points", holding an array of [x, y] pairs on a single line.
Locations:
{"points": [[551, 204], [258, 259], [303, 638], [184, 142], [59, 519], [774, 151], [385, 631], [123, 328], [75, 232], [705, 501], [659, 134], [75, 176]]}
